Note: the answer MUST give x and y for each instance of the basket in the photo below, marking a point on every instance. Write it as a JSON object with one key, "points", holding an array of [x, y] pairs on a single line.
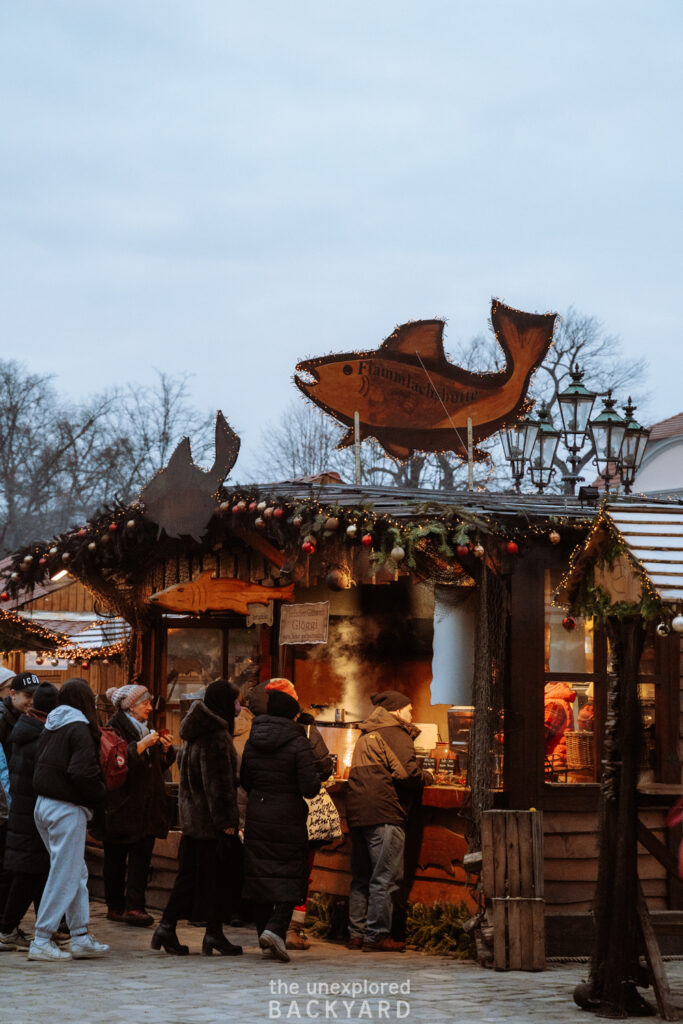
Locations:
{"points": [[580, 751]]}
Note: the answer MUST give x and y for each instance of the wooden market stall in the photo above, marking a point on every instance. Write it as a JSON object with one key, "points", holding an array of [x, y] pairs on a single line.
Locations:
{"points": [[446, 595]]}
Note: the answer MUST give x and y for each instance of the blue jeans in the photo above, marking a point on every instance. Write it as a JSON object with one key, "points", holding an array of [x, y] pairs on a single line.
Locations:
{"points": [[376, 870]]}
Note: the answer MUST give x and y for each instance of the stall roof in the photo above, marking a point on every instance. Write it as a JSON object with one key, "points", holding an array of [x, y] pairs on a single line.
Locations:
{"points": [[653, 535], [649, 539], [416, 503]]}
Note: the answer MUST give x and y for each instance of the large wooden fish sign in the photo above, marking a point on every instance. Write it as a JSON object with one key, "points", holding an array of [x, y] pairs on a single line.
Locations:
{"points": [[409, 396]]}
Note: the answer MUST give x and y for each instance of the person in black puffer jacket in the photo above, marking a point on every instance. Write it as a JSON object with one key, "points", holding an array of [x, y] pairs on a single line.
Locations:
{"points": [[137, 813], [69, 784], [207, 804], [26, 857], [278, 771]]}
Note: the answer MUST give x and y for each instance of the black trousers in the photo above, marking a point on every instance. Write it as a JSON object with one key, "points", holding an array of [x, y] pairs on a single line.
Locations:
{"points": [[196, 893], [25, 888], [5, 876], [273, 916], [125, 889]]}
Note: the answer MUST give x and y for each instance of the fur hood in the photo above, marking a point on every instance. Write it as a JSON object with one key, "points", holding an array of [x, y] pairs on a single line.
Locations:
{"points": [[199, 721], [269, 732]]}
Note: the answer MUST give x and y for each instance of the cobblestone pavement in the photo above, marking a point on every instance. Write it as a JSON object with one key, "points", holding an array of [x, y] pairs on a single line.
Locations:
{"points": [[135, 985]]}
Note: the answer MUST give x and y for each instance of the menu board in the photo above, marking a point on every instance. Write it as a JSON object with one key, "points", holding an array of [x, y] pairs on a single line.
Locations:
{"points": [[304, 623]]}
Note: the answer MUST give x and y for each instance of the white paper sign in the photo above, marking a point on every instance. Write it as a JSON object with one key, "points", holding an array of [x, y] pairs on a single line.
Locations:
{"points": [[304, 623]]}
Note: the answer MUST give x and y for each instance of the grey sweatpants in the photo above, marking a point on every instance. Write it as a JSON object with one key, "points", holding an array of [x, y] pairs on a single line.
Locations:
{"points": [[62, 829]]}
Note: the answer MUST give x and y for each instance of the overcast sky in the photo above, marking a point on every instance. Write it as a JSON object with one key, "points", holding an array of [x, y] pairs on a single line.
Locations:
{"points": [[226, 188]]}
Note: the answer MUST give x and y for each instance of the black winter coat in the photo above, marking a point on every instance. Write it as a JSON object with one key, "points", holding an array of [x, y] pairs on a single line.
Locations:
{"points": [[207, 793], [140, 807], [24, 850], [321, 755], [385, 777], [68, 766], [278, 770], [9, 716]]}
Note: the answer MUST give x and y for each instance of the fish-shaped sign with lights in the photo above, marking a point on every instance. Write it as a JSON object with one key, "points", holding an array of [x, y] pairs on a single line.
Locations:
{"points": [[181, 498], [410, 396]]}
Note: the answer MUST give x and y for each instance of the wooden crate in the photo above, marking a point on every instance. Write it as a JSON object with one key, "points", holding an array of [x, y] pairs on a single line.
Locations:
{"points": [[518, 934], [512, 854], [512, 881]]}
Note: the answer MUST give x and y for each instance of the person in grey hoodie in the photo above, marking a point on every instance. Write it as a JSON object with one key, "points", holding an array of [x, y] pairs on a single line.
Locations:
{"points": [[70, 788]]}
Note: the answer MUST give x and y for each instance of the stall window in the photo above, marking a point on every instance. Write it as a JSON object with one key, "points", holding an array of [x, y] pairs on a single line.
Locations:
{"points": [[198, 654], [569, 694]]}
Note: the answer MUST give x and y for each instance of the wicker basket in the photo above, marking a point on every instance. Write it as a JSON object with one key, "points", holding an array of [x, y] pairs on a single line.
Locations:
{"points": [[579, 751]]}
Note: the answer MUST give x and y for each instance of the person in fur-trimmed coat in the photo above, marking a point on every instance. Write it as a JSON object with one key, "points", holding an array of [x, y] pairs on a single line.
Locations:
{"points": [[207, 805]]}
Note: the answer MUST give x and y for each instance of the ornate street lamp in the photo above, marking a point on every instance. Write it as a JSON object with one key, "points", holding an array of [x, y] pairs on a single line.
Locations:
{"points": [[541, 468], [607, 432], [576, 404], [616, 445], [632, 447], [518, 441]]}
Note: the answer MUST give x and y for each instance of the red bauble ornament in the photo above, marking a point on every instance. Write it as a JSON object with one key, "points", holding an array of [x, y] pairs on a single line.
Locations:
{"points": [[4, 596], [512, 547], [82, 532], [308, 547], [236, 510], [462, 550], [113, 527], [366, 539], [252, 506], [85, 665], [569, 623], [278, 512], [42, 561]]}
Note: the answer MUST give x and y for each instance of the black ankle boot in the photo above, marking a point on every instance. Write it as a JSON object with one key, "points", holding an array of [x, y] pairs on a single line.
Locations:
{"points": [[165, 936], [216, 940]]}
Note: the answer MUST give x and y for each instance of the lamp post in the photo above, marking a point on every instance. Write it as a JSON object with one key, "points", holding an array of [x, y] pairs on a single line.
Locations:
{"points": [[518, 441], [616, 445], [576, 404], [542, 462]]}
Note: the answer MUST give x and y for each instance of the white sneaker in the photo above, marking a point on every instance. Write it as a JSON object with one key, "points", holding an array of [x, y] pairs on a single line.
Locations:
{"points": [[86, 947], [47, 951]]}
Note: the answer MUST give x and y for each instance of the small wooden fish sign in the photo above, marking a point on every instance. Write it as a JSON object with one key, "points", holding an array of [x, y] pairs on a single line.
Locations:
{"points": [[409, 396], [210, 594]]}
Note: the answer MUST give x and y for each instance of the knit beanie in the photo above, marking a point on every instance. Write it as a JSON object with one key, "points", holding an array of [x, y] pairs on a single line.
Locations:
{"points": [[126, 697], [283, 685], [390, 700], [257, 699], [282, 705], [45, 697]]}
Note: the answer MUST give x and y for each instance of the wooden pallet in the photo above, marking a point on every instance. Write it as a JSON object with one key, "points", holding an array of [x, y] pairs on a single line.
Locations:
{"points": [[518, 934], [512, 880]]}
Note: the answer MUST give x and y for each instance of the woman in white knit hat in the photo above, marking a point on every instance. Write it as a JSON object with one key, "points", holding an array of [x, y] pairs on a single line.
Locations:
{"points": [[138, 812]]}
